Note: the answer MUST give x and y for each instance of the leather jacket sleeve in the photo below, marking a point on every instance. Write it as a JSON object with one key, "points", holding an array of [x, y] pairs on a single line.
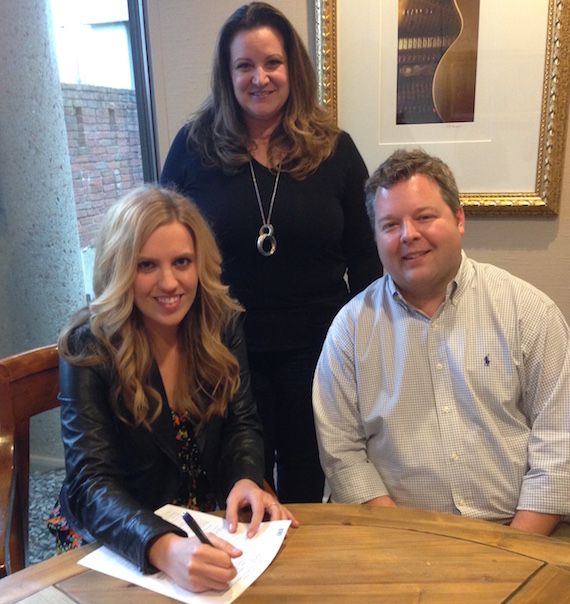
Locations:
{"points": [[118, 473], [94, 499]]}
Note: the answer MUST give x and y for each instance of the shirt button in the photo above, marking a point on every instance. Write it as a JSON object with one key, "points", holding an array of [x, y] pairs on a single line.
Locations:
{"points": [[462, 502], [439, 366], [434, 325], [454, 456], [446, 409]]}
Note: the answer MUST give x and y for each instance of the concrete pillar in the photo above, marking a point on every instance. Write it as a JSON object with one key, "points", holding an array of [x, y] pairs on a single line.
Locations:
{"points": [[41, 279]]}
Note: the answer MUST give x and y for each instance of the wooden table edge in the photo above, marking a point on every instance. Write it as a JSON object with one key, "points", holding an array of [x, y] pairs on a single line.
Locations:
{"points": [[547, 550], [537, 547], [37, 577]]}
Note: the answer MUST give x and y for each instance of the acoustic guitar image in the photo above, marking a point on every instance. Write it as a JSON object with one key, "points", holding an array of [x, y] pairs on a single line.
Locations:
{"points": [[437, 60]]}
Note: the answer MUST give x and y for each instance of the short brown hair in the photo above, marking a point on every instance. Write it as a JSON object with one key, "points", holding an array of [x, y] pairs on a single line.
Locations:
{"points": [[401, 166]]}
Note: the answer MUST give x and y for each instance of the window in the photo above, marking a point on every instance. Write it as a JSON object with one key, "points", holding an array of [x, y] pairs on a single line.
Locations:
{"points": [[104, 79]]}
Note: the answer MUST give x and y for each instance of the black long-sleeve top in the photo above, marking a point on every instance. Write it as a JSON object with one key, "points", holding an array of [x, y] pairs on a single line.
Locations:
{"points": [[322, 231]]}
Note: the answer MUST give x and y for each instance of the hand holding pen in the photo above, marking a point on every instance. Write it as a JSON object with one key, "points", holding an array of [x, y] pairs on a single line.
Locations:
{"points": [[218, 543], [195, 564]]}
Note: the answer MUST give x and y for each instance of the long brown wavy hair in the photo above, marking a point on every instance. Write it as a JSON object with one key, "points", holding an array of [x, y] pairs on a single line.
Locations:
{"points": [[210, 374], [307, 134]]}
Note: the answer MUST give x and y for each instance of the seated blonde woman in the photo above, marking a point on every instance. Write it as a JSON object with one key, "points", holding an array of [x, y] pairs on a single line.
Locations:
{"points": [[155, 397]]}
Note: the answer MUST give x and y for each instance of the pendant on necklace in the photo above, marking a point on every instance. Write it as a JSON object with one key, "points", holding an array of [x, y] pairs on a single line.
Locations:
{"points": [[266, 237], [266, 242]]}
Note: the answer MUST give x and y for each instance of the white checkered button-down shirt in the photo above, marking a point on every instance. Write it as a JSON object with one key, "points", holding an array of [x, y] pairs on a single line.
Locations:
{"points": [[466, 413]]}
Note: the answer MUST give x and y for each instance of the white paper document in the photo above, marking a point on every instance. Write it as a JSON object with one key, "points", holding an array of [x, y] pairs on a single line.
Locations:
{"points": [[258, 552]]}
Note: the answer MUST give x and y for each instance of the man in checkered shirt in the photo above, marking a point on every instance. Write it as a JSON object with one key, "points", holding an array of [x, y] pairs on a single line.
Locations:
{"points": [[445, 385]]}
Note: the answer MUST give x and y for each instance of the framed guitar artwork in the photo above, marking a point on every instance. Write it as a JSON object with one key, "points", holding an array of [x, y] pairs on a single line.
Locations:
{"points": [[480, 83]]}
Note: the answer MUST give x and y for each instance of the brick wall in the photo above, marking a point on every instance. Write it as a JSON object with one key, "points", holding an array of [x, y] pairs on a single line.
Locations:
{"points": [[104, 147]]}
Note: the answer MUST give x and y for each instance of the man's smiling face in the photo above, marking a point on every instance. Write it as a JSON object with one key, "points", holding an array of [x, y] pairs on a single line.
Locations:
{"points": [[418, 238]]}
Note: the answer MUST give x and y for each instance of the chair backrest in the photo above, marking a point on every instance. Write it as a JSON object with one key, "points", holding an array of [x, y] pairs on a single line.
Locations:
{"points": [[29, 384]]}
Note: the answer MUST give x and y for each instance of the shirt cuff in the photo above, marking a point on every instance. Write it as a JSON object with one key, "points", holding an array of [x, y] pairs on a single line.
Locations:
{"points": [[356, 484]]}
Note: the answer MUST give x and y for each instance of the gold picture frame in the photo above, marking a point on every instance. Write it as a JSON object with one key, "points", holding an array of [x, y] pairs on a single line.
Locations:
{"points": [[545, 199]]}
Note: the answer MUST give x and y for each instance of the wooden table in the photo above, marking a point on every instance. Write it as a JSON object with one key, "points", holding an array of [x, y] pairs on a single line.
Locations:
{"points": [[352, 554]]}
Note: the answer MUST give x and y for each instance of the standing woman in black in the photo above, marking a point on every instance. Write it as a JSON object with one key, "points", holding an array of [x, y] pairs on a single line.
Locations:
{"points": [[282, 188]]}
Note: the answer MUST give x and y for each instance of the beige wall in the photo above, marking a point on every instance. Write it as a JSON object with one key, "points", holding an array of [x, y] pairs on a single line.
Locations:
{"points": [[535, 249], [183, 34]]}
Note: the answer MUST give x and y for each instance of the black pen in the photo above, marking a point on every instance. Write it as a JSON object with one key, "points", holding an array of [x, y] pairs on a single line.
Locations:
{"points": [[195, 527]]}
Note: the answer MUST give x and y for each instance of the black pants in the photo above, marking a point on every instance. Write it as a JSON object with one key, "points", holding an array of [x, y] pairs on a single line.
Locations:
{"points": [[282, 387]]}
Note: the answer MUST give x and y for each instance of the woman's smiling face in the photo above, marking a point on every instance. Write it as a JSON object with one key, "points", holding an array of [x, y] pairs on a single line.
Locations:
{"points": [[167, 278], [260, 75]]}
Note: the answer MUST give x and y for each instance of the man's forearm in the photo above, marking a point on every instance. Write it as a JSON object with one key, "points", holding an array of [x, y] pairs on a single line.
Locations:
{"points": [[535, 522], [384, 501]]}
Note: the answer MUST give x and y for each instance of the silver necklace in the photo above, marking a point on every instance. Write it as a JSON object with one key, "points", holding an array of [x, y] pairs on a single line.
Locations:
{"points": [[266, 242]]}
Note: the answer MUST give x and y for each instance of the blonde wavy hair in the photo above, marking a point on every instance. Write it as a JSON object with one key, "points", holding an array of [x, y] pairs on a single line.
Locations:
{"points": [[210, 376], [307, 135]]}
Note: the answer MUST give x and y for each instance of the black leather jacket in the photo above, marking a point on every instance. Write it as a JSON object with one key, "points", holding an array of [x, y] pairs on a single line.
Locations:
{"points": [[117, 473]]}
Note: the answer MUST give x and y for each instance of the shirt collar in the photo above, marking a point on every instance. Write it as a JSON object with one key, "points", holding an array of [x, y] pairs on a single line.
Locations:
{"points": [[454, 290], [464, 276]]}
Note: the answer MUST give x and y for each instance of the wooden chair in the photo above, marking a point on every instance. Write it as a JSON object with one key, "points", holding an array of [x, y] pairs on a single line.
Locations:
{"points": [[29, 384]]}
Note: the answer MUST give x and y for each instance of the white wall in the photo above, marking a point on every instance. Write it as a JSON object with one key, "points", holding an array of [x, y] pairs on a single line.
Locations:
{"points": [[183, 35]]}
